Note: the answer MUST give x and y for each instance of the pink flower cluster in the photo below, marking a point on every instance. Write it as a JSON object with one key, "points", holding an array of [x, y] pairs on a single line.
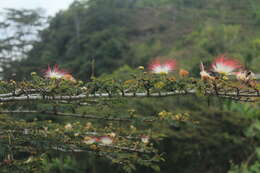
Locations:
{"points": [[106, 140], [225, 67], [221, 65], [56, 73], [163, 67]]}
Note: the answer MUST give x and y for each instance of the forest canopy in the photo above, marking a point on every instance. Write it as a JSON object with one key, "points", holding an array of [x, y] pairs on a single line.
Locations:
{"points": [[99, 36]]}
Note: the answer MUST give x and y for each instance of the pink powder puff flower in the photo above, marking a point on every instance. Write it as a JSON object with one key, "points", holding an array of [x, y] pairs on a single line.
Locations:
{"points": [[54, 73], [162, 67], [145, 139], [225, 66], [90, 140], [68, 126], [106, 140]]}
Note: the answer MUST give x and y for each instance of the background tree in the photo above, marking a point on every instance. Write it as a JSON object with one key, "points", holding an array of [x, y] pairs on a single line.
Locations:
{"points": [[110, 33], [19, 31]]}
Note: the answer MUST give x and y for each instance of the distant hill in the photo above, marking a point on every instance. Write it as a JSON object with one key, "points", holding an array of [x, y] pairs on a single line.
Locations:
{"points": [[106, 34]]}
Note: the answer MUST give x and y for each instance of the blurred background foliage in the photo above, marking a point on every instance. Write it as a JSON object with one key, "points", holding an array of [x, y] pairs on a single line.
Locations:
{"points": [[110, 38], [98, 36]]}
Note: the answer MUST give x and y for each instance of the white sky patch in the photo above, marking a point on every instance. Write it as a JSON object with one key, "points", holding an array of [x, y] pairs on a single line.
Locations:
{"points": [[51, 6]]}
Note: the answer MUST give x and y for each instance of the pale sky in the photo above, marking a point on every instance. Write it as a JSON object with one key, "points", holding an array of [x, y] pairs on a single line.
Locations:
{"points": [[51, 6]]}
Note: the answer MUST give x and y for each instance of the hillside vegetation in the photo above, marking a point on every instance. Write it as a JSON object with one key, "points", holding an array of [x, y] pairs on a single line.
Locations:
{"points": [[98, 36]]}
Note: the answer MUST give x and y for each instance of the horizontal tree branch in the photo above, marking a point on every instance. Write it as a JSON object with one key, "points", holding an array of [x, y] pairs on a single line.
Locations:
{"points": [[75, 148], [112, 146], [20, 92], [36, 94], [72, 115]]}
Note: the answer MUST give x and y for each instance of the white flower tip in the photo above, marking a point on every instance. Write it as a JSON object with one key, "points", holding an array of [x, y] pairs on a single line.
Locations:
{"points": [[106, 140]]}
